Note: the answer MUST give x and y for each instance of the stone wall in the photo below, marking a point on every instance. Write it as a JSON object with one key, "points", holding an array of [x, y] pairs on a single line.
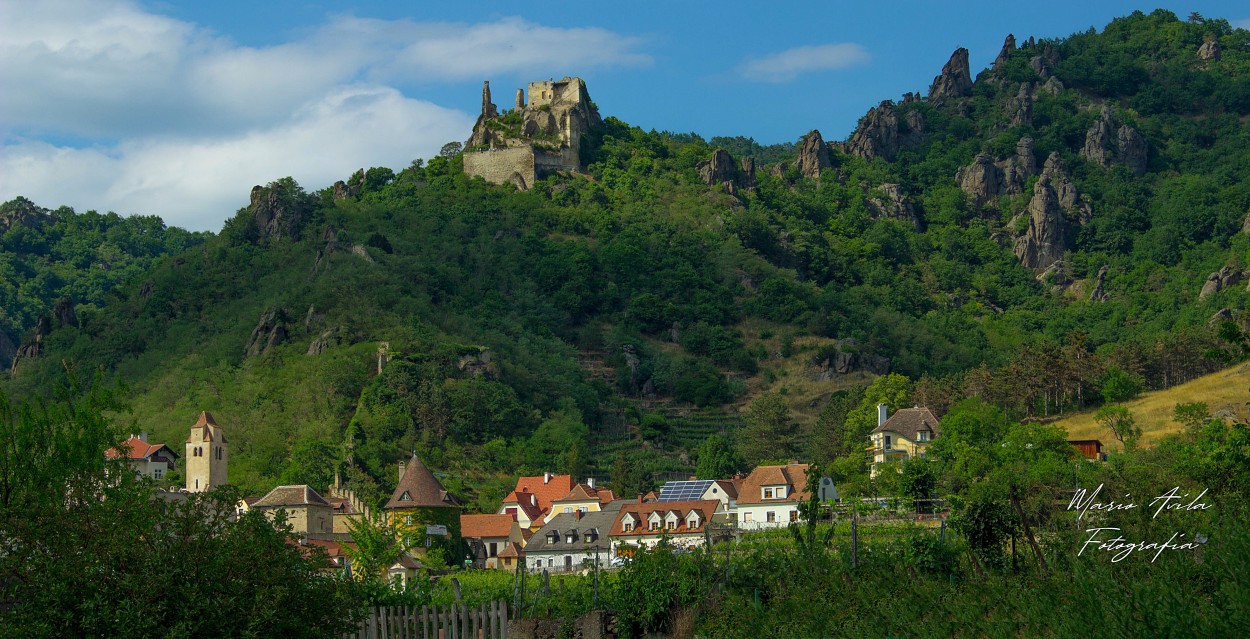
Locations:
{"points": [[498, 166]]}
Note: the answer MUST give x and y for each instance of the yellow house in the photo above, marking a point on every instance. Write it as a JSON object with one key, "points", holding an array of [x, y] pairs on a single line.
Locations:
{"points": [[420, 506], [584, 498], [901, 436], [306, 510]]}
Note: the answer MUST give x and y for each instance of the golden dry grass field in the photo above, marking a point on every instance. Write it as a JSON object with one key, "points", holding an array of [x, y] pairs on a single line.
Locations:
{"points": [[1225, 392]]}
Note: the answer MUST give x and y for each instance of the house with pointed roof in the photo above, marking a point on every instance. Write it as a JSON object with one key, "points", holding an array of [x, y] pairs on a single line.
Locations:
{"points": [[533, 498], [583, 498], [420, 501], [488, 535], [306, 510], [770, 496], [901, 436], [721, 490], [682, 523], [574, 540], [208, 455], [149, 460]]}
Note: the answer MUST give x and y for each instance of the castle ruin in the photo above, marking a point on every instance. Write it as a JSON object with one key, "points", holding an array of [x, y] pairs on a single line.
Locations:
{"points": [[541, 136]]}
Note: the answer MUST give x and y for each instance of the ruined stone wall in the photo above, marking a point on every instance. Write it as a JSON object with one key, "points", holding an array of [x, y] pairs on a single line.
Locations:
{"points": [[497, 166]]}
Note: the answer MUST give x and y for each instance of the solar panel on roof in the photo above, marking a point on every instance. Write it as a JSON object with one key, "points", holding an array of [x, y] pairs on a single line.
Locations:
{"points": [[684, 490]]}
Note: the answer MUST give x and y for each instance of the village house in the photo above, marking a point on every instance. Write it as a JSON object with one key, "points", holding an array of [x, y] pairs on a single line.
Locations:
{"points": [[149, 460], [510, 556], [901, 436], [420, 505], [572, 541], [721, 490], [306, 510], [584, 497], [770, 496], [488, 535], [533, 498], [644, 524]]}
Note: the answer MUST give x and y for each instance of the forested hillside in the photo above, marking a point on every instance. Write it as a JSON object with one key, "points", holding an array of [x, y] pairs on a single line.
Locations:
{"points": [[1037, 237]]}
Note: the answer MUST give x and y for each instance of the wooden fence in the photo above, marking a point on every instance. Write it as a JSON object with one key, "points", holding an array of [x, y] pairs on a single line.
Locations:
{"points": [[490, 621]]}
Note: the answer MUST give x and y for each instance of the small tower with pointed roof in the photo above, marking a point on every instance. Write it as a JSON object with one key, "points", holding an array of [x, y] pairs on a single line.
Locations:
{"points": [[207, 455], [420, 500]]}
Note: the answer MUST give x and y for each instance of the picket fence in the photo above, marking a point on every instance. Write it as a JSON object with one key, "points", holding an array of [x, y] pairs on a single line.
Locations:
{"points": [[490, 621]]}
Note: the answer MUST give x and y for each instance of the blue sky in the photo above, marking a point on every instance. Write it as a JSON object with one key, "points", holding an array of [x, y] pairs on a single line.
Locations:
{"points": [[178, 108]]}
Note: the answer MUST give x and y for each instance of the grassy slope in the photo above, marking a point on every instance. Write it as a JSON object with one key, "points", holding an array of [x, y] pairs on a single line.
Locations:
{"points": [[1224, 392]]}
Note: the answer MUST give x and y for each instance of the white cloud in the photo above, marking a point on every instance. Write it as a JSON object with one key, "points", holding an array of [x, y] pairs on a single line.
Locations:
{"points": [[198, 183], [789, 64], [168, 118]]}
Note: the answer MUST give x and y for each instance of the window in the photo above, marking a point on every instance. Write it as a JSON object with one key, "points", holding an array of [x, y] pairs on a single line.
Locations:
{"points": [[583, 509], [672, 525], [887, 441], [922, 436], [771, 516], [568, 510], [493, 550], [794, 515], [219, 452], [768, 493], [655, 525], [781, 492], [407, 520], [629, 526], [156, 474], [746, 516]]}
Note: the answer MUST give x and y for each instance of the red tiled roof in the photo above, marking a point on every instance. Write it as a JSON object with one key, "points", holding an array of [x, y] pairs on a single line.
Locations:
{"points": [[582, 492], [479, 526], [729, 486], [546, 490], [341, 505], [210, 429], [136, 449], [419, 489], [793, 476], [513, 550], [521, 501], [706, 508]]}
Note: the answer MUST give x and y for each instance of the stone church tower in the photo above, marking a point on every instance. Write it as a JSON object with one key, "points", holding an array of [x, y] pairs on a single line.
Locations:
{"points": [[207, 455]]}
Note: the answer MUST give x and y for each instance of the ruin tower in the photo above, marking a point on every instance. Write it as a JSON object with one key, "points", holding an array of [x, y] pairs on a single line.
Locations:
{"points": [[488, 107], [542, 137], [208, 454]]}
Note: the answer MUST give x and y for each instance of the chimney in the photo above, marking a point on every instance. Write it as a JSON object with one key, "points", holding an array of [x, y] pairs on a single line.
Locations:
{"points": [[590, 481], [577, 514], [533, 499], [640, 498], [547, 478], [402, 467], [883, 413], [143, 435]]}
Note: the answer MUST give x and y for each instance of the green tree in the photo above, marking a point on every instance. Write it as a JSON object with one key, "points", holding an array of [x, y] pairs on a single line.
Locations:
{"points": [[1119, 385], [717, 459], [1121, 423], [770, 432]]}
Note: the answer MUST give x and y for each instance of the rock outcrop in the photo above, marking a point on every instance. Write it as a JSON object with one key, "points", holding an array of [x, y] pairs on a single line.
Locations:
{"points": [[718, 169], [1020, 107], [1107, 143], [955, 80], [981, 180], [64, 312], [1054, 200], [881, 134], [1099, 294], [1210, 50], [22, 212], [813, 155], [322, 343], [986, 179], [7, 350], [279, 210], [1004, 54], [893, 204], [1245, 226], [270, 331], [1226, 277], [351, 188], [32, 346]]}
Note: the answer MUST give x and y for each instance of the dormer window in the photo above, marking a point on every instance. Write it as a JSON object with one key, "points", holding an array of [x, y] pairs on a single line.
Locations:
{"points": [[672, 525], [768, 493], [692, 521], [553, 537], [922, 436], [629, 526], [405, 497], [571, 537]]}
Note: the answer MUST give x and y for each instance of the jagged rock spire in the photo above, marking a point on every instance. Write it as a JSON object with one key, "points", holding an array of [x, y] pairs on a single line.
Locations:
{"points": [[955, 79], [1009, 46]]}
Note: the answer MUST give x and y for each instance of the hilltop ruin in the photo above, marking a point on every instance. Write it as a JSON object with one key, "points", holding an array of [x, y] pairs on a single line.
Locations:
{"points": [[539, 137]]}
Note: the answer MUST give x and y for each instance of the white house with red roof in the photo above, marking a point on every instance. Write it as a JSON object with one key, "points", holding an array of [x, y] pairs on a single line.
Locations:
{"points": [[149, 460], [488, 535], [682, 523], [770, 496]]}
